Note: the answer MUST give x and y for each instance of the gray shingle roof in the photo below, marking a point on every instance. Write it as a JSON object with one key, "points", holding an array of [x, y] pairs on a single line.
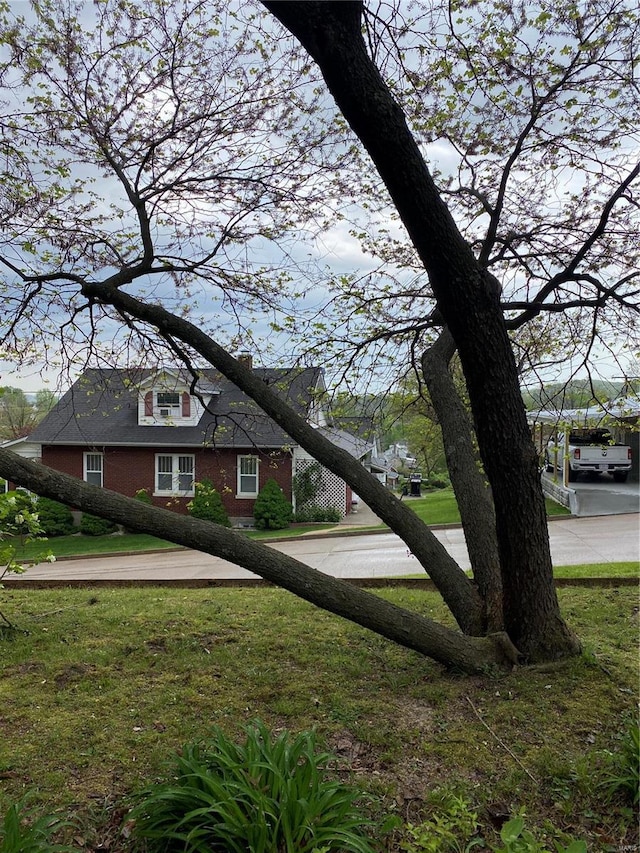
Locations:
{"points": [[101, 408], [360, 425], [353, 444]]}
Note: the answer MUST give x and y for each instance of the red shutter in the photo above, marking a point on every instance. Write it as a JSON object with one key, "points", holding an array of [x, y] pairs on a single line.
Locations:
{"points": [[186, 405], [148, 404]]}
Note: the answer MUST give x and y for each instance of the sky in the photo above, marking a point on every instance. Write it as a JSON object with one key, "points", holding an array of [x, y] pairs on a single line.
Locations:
{"points": [[334, 251]]}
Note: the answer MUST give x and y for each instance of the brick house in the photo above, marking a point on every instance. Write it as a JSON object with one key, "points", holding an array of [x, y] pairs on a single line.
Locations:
{"points": [[131, 429]]}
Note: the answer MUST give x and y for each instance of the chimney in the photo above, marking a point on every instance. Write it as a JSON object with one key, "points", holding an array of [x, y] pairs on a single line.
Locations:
{"points": [[246, 358]]}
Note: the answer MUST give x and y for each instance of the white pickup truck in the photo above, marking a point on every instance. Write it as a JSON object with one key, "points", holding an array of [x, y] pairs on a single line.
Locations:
{"points": [[592, 450]]}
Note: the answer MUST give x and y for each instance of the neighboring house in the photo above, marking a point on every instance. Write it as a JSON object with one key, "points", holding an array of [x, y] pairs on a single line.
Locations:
{"points": [[131, 429], [363, 428], [24, 447], [397, 456]]}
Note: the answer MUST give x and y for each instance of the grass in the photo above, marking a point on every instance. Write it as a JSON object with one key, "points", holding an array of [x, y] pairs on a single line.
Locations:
{"points": [[583, 570], [554, 508], [598, 570], [77, 545], [106, 685], [440, 507], [297, 530]]}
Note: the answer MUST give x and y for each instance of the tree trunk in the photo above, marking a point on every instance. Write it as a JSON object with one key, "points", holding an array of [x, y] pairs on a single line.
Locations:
{"points": [[473, 493], [470, 305], [449, 647]]}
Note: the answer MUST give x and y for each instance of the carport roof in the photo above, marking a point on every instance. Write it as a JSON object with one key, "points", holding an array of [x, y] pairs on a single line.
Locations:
{"points": [[625, 408]]}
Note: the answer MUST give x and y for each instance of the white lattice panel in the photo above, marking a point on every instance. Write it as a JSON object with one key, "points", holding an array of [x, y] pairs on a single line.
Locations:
{"points": [[334, 490]]}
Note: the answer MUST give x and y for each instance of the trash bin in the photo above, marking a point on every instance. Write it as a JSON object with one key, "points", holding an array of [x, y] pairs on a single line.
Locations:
{"points": [[415, 484]]}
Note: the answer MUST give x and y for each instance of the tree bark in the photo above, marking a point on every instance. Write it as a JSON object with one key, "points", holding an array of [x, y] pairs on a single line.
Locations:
{"points": [[470, 305], [473, 493], [449, 647]]}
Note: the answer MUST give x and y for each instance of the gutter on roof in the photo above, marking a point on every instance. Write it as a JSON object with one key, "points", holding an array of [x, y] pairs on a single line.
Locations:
{"points": [[156, 444]]}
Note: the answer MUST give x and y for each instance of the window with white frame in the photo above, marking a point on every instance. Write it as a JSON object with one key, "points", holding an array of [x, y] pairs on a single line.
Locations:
{"points": [[174, 474], [93, 469], [247, 476], [4, 486], [168, 404]]}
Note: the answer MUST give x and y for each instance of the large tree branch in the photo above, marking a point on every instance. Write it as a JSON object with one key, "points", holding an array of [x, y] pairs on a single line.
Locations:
{"points": [[569, 273], [473, 494], [456, 588]]}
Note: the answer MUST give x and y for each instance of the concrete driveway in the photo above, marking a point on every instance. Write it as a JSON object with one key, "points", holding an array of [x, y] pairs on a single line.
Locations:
{"points": [[598, 495], [366, 555]]}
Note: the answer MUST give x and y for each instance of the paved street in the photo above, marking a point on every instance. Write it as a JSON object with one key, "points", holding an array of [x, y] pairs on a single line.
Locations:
{"points": [[368, 555]]}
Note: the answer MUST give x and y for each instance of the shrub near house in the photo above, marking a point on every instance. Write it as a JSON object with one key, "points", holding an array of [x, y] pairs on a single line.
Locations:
{"points": [[93, 525], [55, 518], [207, 504], [272, 511]]}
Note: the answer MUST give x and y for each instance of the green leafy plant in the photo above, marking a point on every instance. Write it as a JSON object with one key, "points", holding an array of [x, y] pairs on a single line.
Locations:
{"points": [[452, 827], [207, 504], [93, 525], [55, 518], [624, 774], [268, 795], [315, 513], [19, 525], [436, 483], [307, 484], [143, 496], [272, 511], [517, 839], [18, 509], [20, 832]]}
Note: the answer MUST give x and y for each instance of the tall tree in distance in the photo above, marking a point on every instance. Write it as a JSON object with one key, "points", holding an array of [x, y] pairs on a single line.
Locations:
{"points": [[18, 415]]}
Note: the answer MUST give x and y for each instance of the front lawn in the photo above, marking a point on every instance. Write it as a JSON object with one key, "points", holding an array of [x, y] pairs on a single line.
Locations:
{"points": [[104, 686], [440, 507], [78, 545]]}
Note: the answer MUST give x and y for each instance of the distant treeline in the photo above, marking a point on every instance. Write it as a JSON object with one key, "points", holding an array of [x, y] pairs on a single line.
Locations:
{"points": [[576, 394]]}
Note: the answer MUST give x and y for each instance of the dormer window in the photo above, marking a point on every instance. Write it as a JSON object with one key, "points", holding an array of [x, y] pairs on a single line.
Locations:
{"points": [[167, 400], [171, 406], [168, 404]]}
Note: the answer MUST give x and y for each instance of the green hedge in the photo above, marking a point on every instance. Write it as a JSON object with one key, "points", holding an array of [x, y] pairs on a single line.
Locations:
{"points": [[55, 518], [92, 525], [315, 513], [272, 511]]}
